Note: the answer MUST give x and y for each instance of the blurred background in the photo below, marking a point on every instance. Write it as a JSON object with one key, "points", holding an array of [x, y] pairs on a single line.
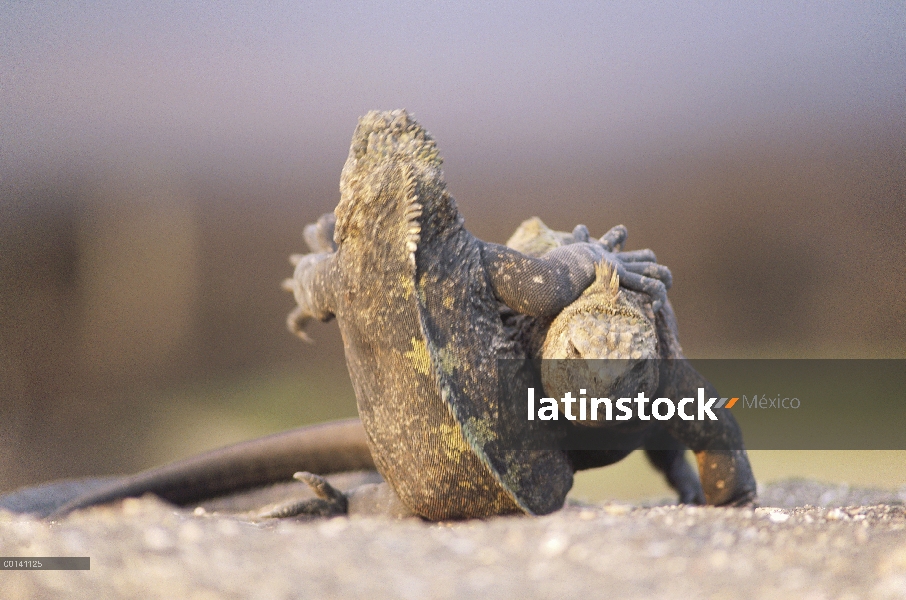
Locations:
{"points": [[159, 161]]}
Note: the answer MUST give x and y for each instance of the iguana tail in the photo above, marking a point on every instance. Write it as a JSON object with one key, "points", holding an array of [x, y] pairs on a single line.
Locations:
{"points": [[326, 448]]}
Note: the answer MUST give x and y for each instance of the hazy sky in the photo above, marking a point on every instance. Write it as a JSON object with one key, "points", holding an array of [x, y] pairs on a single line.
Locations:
{"points": [[88, 84]]}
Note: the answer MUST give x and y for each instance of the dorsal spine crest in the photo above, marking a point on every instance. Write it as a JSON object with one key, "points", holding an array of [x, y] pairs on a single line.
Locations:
{"points": [[412, 214], [607, 280]]}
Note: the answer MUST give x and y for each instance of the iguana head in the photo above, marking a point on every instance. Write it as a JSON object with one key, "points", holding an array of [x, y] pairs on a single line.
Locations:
{"points": [[390, 150], [609, 330]]}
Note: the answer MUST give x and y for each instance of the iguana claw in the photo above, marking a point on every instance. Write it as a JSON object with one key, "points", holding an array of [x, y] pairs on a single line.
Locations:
{"points": [[637, 269], [613, 239], [330, 501]]}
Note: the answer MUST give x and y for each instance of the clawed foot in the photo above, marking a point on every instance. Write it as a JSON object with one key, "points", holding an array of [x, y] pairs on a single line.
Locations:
{"points": [[297, 284], [319, 235], [319, 239], [638, 270], [329, 502]]}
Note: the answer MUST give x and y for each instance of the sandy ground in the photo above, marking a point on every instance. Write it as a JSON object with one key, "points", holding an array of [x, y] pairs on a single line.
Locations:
{"points": [[808, 540]]}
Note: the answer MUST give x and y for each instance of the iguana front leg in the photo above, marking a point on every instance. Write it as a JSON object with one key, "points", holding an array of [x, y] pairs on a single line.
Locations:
{"points": [[311, 283], [637, 270], [723, 465]]}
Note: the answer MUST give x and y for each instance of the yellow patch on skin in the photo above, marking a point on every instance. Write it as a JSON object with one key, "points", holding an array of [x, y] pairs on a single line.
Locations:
{"points": [[419, 357], [407, 285], [423, 289], [448, 361], [481, 429], [448, 302], [452, 443]]}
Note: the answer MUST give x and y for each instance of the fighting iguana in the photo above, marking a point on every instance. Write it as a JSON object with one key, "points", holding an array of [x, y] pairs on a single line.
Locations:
{"points": [[417, 301], [628, 341]]}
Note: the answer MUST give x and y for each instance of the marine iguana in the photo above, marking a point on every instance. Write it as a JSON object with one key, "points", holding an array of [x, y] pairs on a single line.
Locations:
{"points": [[416, 298], [633, 342], [438, 274]]}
